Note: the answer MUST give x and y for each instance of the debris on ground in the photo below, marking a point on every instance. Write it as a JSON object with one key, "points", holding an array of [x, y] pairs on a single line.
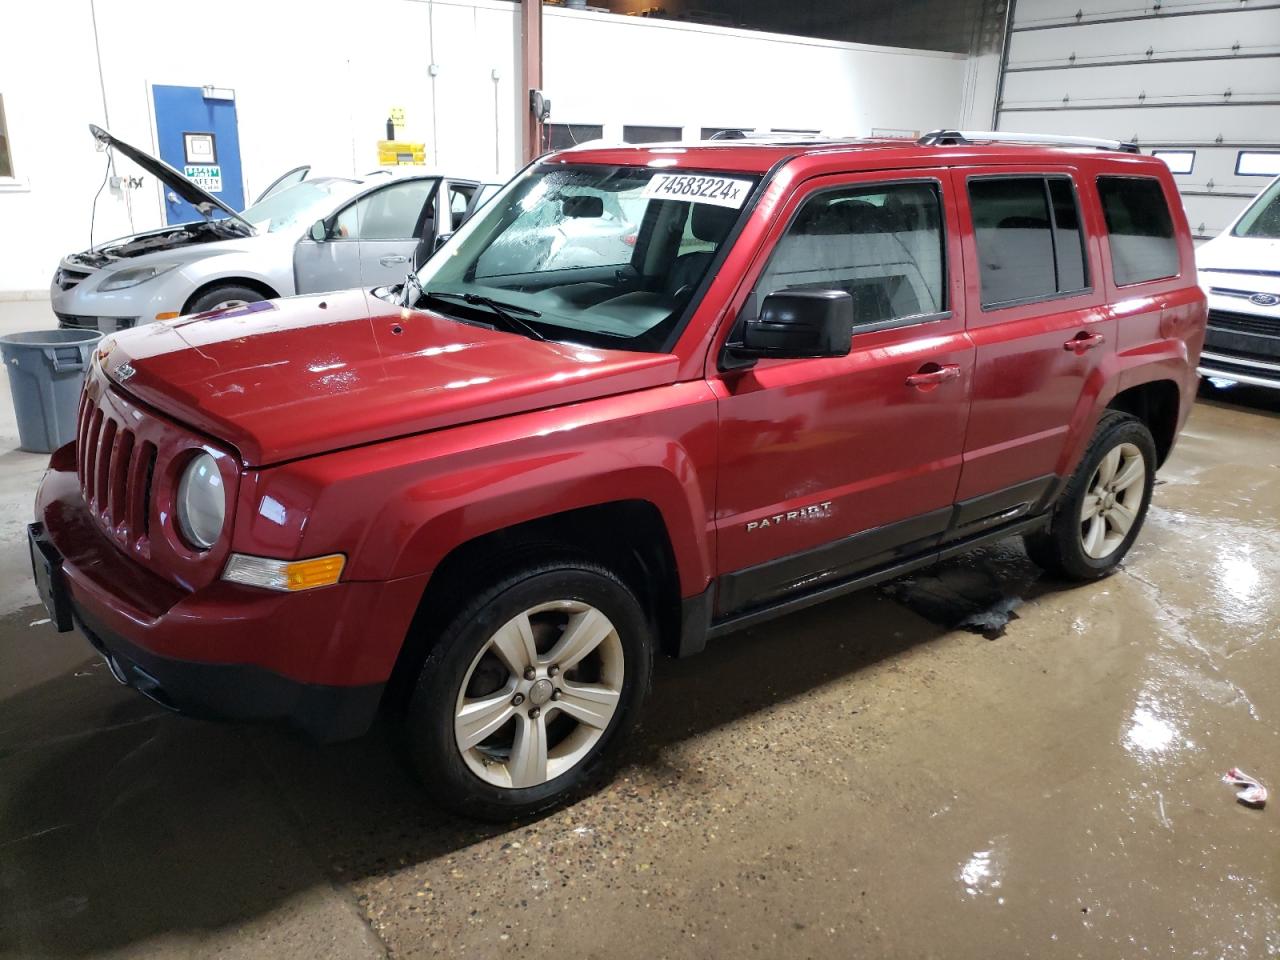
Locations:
{"points": [[1254, 793]]}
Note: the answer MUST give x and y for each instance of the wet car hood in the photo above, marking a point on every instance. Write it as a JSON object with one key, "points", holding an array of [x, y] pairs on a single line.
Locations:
{"points": [[280, 380], [1228, 253]]}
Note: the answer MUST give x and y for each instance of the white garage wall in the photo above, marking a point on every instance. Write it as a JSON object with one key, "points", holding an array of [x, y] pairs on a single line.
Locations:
{"points": [[315, 81], [611, 70], [1200, 75]]}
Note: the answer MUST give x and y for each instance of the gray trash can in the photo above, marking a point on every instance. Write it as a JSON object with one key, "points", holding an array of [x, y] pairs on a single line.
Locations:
{"points": [[46, 371]]}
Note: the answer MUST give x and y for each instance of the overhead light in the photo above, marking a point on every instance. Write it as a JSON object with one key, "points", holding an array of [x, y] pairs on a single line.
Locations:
{"points": [[218, 93]]}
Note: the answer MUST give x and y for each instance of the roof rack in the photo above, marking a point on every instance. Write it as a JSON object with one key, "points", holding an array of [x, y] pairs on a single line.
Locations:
{"points": [[766, 136], [951, 138]]}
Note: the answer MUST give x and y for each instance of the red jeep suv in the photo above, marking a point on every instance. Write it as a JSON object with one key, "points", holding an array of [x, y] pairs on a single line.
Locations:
{"points": [[645, 397]]}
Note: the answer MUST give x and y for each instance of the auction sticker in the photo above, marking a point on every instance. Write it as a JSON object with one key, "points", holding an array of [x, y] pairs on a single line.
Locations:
{"points": [[699, 188]]}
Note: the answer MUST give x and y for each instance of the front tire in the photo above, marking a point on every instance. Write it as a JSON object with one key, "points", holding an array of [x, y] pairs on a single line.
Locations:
{"points": [[1102, 509], [530, 690], [224, 296]]}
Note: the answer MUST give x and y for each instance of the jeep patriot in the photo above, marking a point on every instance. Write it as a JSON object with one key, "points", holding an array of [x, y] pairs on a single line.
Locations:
{"points": [[645, 397]]}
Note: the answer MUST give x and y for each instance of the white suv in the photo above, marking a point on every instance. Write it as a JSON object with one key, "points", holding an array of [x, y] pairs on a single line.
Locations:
{"points": [[1240, 270]]}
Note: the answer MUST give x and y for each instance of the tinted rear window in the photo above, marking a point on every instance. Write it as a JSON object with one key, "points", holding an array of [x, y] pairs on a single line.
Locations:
{"points": [[1142, 243], [1027, 232]]}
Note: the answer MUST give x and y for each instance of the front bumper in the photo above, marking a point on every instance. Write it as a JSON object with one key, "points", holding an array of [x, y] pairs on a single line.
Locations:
{"points": [[1242, 342], [317, 661]]}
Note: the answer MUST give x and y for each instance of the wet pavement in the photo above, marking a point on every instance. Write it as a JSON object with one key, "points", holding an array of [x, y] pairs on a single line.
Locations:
{"points": [[874, 777]]}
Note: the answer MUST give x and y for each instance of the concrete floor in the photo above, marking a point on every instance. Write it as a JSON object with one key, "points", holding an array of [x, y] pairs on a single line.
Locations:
{"points": [[862, 779]]}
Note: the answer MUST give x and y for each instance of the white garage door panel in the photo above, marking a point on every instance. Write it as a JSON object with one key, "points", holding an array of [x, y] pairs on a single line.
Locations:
{"points": [[1252, 79], [1215, 169], [1209, 216], [1153, 125], [1257, 31], [1190, 74], [1032, 13]]}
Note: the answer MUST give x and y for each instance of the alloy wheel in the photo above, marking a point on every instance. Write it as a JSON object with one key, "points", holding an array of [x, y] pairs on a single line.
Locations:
{"points": [[540, 694], [1113, 501]]}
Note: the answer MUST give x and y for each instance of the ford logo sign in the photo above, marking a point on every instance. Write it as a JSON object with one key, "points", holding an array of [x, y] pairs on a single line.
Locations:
{"points": [[1264, 299]]}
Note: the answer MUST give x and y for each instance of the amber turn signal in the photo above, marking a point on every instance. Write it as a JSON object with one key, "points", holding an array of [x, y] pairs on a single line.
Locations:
{"points": [[288, 576], [167, 316]]}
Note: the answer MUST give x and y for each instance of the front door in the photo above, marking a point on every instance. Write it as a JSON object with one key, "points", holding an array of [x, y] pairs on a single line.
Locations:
{"points": [[368, 243], [1042, 327], [833, 466], [198, 137]]}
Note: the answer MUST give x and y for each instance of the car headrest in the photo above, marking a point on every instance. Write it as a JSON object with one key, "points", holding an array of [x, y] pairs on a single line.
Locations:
{"points": [[712, 223]]}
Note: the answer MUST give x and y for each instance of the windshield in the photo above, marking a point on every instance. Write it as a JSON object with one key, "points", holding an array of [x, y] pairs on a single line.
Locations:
{"points": [[599, 255], [301, 204], [1262, 220]]}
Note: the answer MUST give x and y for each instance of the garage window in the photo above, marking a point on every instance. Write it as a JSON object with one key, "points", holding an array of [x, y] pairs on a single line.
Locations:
{"points": [[883, 245], [562, 136], [632, 134], [1140, 228], [1030, 245], [6, 157]]}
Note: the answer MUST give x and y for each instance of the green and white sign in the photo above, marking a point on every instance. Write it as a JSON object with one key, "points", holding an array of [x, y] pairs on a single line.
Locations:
{"points": [[207, 177]]}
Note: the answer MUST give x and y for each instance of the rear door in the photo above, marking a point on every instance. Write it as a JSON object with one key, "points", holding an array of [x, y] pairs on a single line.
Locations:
{"points": [[833, 466], [1039, 318], [369, 242]]}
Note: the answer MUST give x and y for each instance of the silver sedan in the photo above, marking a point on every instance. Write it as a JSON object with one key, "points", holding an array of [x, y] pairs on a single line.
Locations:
{"points": [[316, 235]]}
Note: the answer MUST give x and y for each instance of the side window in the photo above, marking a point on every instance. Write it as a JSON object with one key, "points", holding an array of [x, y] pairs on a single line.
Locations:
{"points": [[459, 200], [1028, 238], [391, 213], [881, 244], [1140, 229]]}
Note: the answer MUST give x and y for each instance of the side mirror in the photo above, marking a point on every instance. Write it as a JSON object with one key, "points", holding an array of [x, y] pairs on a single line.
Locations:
{"points": [[795, 324], [319, 232]]}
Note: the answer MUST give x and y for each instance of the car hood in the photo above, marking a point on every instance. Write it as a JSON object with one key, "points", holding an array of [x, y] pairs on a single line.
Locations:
{"points": [[292, 378], [1236, 254], [202, 200]]}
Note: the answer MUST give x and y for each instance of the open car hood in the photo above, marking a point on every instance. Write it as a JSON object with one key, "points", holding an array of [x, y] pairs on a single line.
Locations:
{"points": [[282, 379], [202, 200]]}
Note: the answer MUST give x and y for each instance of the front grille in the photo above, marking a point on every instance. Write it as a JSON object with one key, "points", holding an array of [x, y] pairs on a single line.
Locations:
{"points": [[76, 321], [115, 470], [1233, 322], [79, 321], [66, 278]]}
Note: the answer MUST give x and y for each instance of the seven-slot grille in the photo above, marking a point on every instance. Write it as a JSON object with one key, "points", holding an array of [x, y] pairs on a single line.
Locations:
{"points": [[115, 469]]}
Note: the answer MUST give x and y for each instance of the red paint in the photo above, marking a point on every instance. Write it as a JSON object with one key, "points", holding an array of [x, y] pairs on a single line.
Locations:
{"points": [[338, 432]]}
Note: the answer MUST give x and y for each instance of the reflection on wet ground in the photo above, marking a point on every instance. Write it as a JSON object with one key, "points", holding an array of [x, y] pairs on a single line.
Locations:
{"points": [[862, 779]]}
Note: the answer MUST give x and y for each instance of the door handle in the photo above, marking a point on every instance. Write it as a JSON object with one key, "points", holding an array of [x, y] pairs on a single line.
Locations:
{"points": [[932, 374], [393, 258], [1084, 341]]}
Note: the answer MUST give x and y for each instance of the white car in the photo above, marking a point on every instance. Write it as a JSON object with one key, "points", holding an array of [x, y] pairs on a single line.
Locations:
{"points": [[308, 235], [1240, 270]]}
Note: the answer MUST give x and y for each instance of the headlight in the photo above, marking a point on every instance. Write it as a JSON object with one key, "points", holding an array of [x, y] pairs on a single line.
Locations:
{"points": [[134, 276], [202, 502]]}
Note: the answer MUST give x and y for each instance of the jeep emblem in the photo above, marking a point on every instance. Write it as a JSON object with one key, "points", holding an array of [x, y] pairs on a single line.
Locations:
{"points": [[1264, 299]]}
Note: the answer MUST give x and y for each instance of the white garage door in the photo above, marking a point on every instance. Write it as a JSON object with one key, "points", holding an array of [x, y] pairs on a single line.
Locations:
{"points": [[1197, 78]]}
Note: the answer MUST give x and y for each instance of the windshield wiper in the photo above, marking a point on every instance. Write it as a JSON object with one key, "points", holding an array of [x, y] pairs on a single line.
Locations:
{"points": [[505, 311]]}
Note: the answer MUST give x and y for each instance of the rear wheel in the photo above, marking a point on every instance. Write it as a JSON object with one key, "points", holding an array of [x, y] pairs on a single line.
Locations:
{"points": [[1100, 513], [225, 296], [530, 690]]}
